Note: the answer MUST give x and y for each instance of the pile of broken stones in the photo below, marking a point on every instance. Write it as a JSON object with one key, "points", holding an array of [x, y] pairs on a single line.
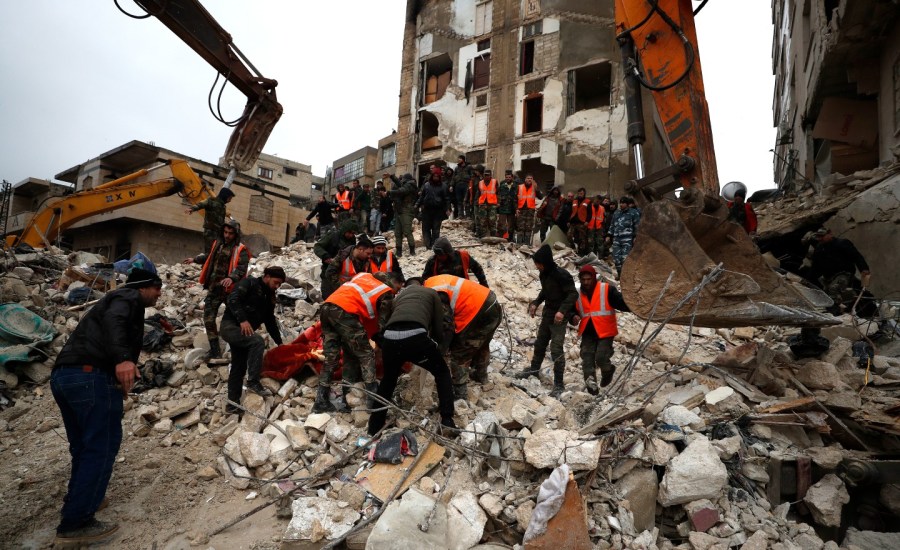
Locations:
{"points": [[709, 439]]}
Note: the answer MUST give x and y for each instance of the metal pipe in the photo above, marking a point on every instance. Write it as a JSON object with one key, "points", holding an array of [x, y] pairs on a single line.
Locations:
{"points": [[638, 150], [130, 177]]}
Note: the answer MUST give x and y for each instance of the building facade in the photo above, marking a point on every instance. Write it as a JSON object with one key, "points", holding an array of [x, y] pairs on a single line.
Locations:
{"points": [[837, 88], [359, 165], [529, 85], [160, 228], [296, 177]]}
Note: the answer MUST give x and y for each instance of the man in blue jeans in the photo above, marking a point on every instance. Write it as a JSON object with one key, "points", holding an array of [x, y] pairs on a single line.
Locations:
{"points": [[93, 372]]}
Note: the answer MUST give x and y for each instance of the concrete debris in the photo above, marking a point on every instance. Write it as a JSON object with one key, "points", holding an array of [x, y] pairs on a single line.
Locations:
{"points": [[696, 473], [398, 526], [826, 500], [315, 519]]}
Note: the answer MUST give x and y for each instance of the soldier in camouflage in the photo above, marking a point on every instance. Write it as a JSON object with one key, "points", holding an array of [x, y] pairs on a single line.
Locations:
{"points": [[506, 206], [622, 230], [213, 216], [486, 206], [526, 195], [404, 195], [459, 184]]}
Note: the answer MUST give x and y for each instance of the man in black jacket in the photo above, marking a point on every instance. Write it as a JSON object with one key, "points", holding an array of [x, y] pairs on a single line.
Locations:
{"points": [[250, 305], [418, 331], [330, 245], [101, 351], [324, 212], [834, 265], [447, 261], [558, 295], [434, 201]]}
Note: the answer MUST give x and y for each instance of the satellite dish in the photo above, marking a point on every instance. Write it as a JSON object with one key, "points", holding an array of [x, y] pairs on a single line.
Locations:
{"points": [[731, 188]]}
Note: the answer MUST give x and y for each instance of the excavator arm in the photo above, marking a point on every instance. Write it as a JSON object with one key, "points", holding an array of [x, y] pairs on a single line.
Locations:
{"points": [[190, 21], [689, 236], [59, 215]]}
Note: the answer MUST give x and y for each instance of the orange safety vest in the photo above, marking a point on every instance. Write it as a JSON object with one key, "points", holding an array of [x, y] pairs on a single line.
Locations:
{"points": [[526, 197], [387, 265], [466, 297], [581, 210], [348, 270], [598, 311], [359, 297], [599, 213], [487, 193], [343, 199], [464, 256], [232, 264]]}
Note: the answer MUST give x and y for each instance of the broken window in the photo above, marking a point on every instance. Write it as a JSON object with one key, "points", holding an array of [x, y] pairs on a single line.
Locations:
{"points": [[261, 208], [388, 155], [482, 76], [290, 171], [429, 128], [483, 45], [589, 87], [350, 171], [264, 172], [531, 30], [484, 15], [533, 110], [436, 73], [526, 58]]}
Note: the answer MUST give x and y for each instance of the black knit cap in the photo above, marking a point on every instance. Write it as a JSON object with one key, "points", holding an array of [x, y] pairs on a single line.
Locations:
{"points": [[141, 278], [275, 271]]}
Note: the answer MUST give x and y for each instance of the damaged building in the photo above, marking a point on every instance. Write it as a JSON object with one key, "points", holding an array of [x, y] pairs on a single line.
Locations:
{"points": [[515, 84]]}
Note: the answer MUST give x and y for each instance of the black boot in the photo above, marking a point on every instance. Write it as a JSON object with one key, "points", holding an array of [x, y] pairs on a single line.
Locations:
{"points": [[372, 389], [530, 371], [460, 391], [342, 405], [480, 376], [558, 386], [256, 387], [215, 351], [323, 401], [606, 377], [590, 384]]}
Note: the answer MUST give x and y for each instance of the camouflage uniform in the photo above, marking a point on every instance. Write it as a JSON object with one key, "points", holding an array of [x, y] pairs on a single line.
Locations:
{"points": [[525, 225], [623, 229], [331, 279], [487, 220], [507, 195], [213, 219], [578, 236], [216, 295], [596, 353], [404, 196], [342, 331], [597, 242], [473, 344]]}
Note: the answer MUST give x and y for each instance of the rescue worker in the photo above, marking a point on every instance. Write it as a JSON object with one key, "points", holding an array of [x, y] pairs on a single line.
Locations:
{"points": [[549, 210], [447, 261], [610, 205], [213, 215], [383, 259], [596, 238], [834, 265], [330, 245], [362, 203], [506, 207], [741, 212], [418, 331], [250, 305], [565, 212], [578, 222], [476, 316], [344, 199], [595, 316], [623, 230], [460, 183], [558, 295], [354, 314], [349, 262], [487, 206], [527, 195], [434, 205], [223, 267], [93, 372], [324, 212], [404, 195]]}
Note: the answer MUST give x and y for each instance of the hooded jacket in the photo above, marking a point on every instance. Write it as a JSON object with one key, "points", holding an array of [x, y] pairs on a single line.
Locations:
{"points": [[254, 302], [557, 285], [331, 244], [404, 194], [454, 264]]}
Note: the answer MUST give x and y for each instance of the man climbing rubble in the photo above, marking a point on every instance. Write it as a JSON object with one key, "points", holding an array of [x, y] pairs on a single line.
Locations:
{"points": [[447, 261], [349, 262], [330, 245], [476, 316], [418, 331], [596, 319], [354, 314], [250, 305], [213, 215], [223, 267], [558, 295], [834, 265], [92, 373]]}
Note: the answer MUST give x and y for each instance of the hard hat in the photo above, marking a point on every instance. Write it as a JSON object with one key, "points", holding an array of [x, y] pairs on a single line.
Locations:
{"points": [[730, 188]]}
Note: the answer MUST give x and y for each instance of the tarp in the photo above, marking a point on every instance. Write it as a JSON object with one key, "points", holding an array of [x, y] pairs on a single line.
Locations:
{"points": [[20, 331], [139, 261]]}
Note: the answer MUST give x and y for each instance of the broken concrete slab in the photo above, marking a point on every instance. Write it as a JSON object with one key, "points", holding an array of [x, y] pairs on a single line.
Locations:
{"points": [[254, 448], [702, 514], [315, 519], [640, 488], [695, 474], [826, 500], [398, 526], [236, 475], [465, 521]]}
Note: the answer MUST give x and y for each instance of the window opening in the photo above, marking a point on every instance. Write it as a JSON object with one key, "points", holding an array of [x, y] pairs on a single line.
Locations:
{"points": [[482, 76], [533, 111], [526, 58], [589, 87]]}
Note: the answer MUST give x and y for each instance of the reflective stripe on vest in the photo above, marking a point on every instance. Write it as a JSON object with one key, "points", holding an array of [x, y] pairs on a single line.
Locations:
{"points": [[526, 197], [367, 296], [598, 213], [232, 263], [359, 297], [348, 270], [386, 266], [597, 311], [464, 256], [487, 193], [580, 210], [466, 297], [344, 200]]}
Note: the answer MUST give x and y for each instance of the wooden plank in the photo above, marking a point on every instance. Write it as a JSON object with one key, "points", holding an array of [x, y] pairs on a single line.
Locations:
{"points": [[628, 414], [743, 388], [381, 479], [773, 488], [788, 405]]}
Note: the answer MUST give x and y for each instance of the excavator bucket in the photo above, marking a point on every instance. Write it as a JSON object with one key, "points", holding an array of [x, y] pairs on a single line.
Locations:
{"points": [[680, 238], [252, 132]]}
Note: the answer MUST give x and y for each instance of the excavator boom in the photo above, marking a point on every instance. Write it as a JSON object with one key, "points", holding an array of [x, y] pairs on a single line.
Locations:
{"points": [[59, 215], [691, 235], [190, 21]]}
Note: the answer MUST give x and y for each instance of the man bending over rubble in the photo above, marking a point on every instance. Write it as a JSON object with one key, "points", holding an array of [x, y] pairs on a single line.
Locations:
{"points": [[558, 295], [476, 316], [596, 319], [93, 371], [447, 261], [249, 306], [418, 331], [355, 313]]}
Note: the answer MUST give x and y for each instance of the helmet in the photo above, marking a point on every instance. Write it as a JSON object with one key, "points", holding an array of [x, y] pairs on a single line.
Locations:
{"points": [[732, 187]]}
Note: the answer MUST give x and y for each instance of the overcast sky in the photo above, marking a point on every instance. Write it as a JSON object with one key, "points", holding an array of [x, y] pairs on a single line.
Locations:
{"points": [[80, 78]]}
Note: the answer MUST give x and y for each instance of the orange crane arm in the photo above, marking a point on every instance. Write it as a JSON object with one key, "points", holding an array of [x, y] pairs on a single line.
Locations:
{"points": [[59, 215]]}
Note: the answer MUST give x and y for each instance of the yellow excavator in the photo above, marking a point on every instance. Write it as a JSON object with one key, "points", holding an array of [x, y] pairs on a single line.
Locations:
{"points": [[198, 29], [689, 236]]}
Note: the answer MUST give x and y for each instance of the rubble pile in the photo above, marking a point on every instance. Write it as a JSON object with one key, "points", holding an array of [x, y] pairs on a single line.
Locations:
{"points": [[709, 439]]}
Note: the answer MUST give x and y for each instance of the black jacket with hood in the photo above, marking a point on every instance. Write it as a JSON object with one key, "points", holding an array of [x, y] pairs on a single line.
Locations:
{"points": [[254, 302], [557, 285]]}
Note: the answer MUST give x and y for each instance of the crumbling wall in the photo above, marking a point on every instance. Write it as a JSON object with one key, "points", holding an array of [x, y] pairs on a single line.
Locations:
{"points": [[889, 106], [872, 222]]}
